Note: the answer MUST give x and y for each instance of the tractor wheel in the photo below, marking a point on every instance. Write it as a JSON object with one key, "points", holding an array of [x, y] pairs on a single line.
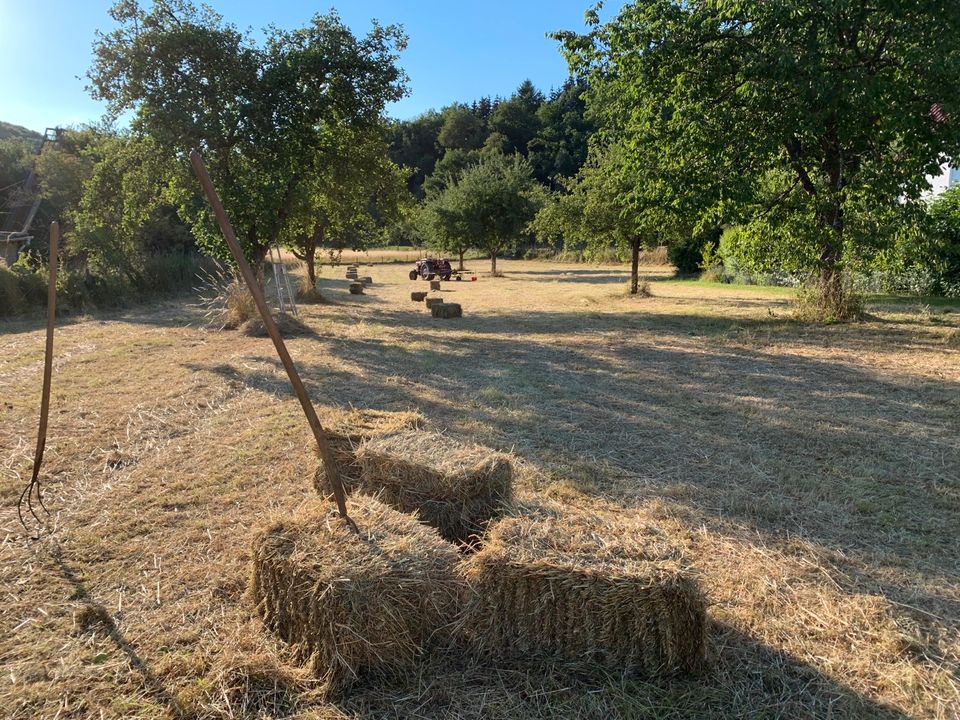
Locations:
{"points": [[459, 278], [413, 274], [431, 276]]}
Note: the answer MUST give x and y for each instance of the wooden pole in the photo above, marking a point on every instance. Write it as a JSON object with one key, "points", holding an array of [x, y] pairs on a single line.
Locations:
{"points": [[34, 486], [323, 445]]}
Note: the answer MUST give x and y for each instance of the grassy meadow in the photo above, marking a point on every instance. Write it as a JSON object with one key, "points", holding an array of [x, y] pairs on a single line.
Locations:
{"points": [[810, 473]]}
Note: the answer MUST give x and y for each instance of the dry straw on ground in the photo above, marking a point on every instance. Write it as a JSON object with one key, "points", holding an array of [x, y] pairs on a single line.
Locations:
{"points": [[602, 589], [447, 310], [347, 430], [455, 488], [288, 325], [353, 605]]}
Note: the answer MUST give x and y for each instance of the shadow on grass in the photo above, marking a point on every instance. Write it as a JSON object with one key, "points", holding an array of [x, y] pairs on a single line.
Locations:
{"points": [[744, 679], [97, 615]]}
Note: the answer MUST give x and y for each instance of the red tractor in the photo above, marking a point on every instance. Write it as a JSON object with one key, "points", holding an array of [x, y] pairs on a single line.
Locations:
{"points": [[429, 268]]}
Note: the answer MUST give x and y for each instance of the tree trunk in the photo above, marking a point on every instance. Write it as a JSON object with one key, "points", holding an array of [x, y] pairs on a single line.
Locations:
{"points": [[493, 263], [832, 291], [634, 265], [310, 252], [461, 260], [259, 257]]}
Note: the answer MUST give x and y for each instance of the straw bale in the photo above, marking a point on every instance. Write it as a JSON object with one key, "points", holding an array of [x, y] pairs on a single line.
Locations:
{"points": [[355, 605], [434, 284], [347, 430], [288, 325], [431, 301], [366, 280], [356, 288], [418, 296], [456, 488], [447, 310], [606, 590]]}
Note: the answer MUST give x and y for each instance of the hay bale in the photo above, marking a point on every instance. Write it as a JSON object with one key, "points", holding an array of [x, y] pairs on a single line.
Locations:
{"points": [[366, 280], [600, 589], [434, 284], [418, 296], [433, 301], [345, 433], [447, 310], [455, 488], [288, 325], [355, 605], [356, 288]]}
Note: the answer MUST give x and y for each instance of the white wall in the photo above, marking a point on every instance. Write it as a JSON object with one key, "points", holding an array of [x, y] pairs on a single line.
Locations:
{"points": [[948, 177]]}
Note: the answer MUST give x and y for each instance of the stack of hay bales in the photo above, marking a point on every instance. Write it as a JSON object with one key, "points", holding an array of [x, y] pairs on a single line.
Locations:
{"points": [[346, 432], [446, 310], [584, 587], [355, 605], [456, 488], [351, 272]]}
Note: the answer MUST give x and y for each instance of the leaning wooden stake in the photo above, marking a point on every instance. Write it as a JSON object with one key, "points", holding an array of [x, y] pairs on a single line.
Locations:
{"points": [[329, 464], [33, 488]]}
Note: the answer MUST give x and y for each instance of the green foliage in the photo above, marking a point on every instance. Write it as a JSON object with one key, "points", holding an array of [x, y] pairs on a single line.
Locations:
{"points": [[939, 250], [461, 129], [488, 208], [260, 113], [777, 115], [11, 299]]}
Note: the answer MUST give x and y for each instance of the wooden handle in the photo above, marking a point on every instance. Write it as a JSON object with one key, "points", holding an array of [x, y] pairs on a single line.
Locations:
{"points": [[326, 456]]}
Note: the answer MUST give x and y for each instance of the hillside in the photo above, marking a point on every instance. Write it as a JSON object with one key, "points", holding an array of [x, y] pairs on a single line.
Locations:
{"points": [[9, 130]]}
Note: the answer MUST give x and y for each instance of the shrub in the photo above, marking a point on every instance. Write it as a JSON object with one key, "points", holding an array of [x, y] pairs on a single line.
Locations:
{"points": [[11, 299], [815, 303]]}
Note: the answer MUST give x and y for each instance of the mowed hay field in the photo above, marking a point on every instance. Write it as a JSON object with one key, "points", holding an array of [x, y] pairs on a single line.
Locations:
{"points": [[811, 474]]}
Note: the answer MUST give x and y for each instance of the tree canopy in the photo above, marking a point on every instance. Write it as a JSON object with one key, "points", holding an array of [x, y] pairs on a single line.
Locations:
{"points": [[800, 115], [258, 112]]}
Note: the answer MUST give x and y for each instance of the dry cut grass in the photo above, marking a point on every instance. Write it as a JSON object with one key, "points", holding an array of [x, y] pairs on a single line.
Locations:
{"points": [[807, 474]]}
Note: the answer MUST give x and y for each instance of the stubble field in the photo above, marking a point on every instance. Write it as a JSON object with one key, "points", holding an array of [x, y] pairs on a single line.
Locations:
{"points": [[810, 473]]}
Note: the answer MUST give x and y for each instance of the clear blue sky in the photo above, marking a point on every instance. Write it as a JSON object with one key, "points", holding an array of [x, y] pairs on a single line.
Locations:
{"points": [[457, 51]]}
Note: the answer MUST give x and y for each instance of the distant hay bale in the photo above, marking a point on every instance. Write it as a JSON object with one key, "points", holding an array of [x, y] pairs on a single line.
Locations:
{"points": [[447, 310], [433, 301], [356, 288], [434, 284], [348, 430], [418, 296], [288, 325], [355, 605], [453, 487], [366, 280], [604, 590]]}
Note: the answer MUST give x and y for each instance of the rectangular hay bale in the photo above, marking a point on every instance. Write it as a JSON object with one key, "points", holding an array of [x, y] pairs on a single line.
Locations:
{"points": [[447, 310], [347, 430], [418, 296], [355, 605], [605, 590], [434, 284], [453, 487], [432, 301]]}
